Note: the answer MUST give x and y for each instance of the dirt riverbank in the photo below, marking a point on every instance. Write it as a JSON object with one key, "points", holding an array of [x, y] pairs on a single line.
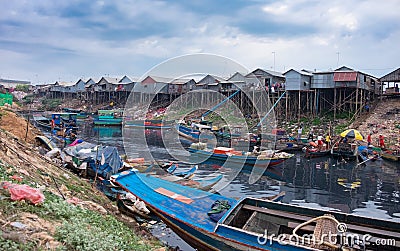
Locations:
{"points": [[73, 215]]}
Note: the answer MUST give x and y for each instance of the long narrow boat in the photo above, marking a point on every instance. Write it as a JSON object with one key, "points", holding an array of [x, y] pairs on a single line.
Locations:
{"points": [[368, 156], [184, 177], [194, 133], [392, 155], [149, 124], [46, 142], [42, 121], [345, 151], [109, 118], [313, 152], [250, 223], [236, 157]]}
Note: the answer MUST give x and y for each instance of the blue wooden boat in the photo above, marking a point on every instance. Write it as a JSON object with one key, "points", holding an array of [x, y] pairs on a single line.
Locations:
{"points": [[43, 122], [186, 174], [249, 223], [241, 158], [368, 156], [193, 134], [183, 177]]}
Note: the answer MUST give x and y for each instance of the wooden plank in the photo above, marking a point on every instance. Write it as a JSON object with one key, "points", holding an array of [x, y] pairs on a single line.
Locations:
{"points": [[246, 225], [174, 195]]}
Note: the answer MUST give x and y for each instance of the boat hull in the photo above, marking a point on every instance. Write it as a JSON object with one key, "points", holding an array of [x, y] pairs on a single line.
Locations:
{"points": [[315, 154], [108, 122], [391, 157], [190, 219], [246, 160]]}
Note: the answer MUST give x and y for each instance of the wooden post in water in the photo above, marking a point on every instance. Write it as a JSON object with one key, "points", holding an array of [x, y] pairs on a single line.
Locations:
{"points": [[334, 102], [299, 106], [315, 103], [286, 103]]}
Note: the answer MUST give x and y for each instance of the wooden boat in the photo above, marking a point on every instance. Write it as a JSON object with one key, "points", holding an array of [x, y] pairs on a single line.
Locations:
{"points": [[193, 134], [392, 155], [185, 174], [46, 142], [202, 184], [368, 156], [250, 223], [314, 152], [149, 124], [265, 158], [345, 150], [64, 120], [43, 122], [108, 118], [71, 110], [290, 144], [128, 208], [183, 177]]}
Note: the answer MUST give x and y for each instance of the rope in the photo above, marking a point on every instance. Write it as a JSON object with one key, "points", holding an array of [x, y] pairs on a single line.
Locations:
{"points": [[329, 217]]}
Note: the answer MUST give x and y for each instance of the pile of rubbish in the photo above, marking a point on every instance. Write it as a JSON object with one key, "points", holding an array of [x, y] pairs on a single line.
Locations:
{"points": [[385, 120]]}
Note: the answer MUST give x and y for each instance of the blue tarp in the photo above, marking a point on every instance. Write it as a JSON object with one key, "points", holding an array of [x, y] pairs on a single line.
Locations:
{"points": [[108, 159]]}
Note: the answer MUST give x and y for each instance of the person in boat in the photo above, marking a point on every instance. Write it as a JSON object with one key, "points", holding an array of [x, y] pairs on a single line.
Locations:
{"points": [[328, 141], [256, 150], [299, 133], [311, 134], [320, 142], [52, 124]]}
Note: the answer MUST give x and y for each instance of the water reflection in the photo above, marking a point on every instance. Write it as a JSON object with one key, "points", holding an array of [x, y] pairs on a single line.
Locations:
{"points": [[371, 190]]}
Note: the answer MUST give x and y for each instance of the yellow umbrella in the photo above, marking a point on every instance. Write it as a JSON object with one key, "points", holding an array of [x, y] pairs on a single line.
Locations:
{"points": [[352, 133]]}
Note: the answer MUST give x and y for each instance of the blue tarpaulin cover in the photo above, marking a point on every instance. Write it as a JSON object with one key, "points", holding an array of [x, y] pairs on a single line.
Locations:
{"points": [[108, 159]]}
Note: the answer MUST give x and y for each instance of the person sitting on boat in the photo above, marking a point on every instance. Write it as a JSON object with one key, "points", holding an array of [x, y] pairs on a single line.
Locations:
{"points": [[328, 141], [299, 133], [311, 134], [320, 142], [256, 150]]}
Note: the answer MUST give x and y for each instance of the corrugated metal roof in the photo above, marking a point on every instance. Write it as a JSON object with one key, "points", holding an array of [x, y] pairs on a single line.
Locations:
{"points": [[394, 76], [345, 76], [111, 80], [302, 72], [272, 73], [66, 84], [181, 81], [161, 79]]}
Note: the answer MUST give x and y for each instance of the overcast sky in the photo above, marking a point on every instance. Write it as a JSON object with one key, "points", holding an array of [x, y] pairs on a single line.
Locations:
{"points": [[47, 40]]}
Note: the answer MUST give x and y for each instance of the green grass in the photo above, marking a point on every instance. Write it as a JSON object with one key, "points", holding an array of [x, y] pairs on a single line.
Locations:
{"points": [[10, 245], [79, 228]]}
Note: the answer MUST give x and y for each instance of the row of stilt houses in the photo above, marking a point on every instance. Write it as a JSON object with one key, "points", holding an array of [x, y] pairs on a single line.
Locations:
{"points": [[301, 93]]}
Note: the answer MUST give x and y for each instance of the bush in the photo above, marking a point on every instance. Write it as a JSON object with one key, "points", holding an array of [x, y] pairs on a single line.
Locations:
{"points": [[22, 88], [50, 104]]}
